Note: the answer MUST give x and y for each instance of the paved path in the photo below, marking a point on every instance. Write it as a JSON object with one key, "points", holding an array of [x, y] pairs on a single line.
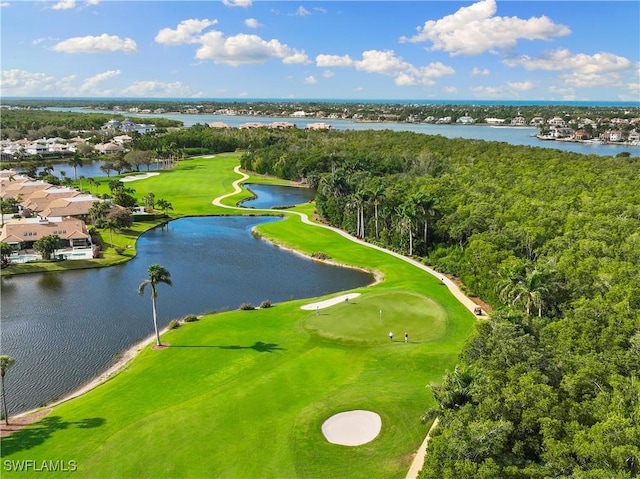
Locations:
{"points": [[418, 461]]}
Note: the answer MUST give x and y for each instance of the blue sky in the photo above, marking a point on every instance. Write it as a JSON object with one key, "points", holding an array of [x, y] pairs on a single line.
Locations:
{"points": [[440, 50]]}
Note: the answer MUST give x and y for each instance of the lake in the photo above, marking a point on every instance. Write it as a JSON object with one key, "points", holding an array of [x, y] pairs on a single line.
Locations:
{"points": [[66, 328]]}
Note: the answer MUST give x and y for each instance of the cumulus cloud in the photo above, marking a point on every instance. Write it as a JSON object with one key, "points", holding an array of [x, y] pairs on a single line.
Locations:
{"points": [[590, 80], [328, 74], [333, 61], [243, 48], [64, 5], [310, 80], [101, 44], [405, 74], [302, 12], [252, 23], [475, 29], [479, 71], [237, 3], [187, 31], [563, 59]]}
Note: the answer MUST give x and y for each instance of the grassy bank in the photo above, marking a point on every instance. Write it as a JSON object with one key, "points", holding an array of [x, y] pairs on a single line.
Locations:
{"points": [[244, 393]]}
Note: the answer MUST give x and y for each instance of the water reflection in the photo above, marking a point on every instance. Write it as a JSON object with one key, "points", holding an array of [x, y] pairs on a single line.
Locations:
{"points": [[65, 328]]}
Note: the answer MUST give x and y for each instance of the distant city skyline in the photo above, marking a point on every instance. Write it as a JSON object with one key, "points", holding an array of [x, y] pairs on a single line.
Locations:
{"points": [[439, 50]]}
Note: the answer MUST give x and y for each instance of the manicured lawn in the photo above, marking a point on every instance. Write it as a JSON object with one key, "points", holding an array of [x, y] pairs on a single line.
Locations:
{"points": [[243, 394]]}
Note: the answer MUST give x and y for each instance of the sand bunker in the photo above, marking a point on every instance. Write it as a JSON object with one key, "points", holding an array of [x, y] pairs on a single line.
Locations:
{"points": [[138, 177], [329, 302], [352, 428]]}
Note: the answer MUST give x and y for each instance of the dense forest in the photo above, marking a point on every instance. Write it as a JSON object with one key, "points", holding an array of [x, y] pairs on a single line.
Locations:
{"points": [[549, 386]]}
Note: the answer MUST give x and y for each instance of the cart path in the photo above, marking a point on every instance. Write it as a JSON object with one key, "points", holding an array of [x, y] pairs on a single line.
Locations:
{"points": [[418, 460]]}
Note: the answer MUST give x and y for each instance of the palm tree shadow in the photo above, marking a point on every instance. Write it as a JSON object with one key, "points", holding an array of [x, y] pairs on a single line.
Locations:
{"points": [[257, 346], [34, 435]]}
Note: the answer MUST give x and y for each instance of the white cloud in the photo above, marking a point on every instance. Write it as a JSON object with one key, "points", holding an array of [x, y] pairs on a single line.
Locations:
{"points": [[521, 86], [102, 44], [450, 89], [93, 2], [328, 74], [475, 29], [590, 80], [302, 12], [386, 63], [4, 4], [333, 61], [563, 59], [64, 5], [237, 3], [91, 84], [154, 88], [243, 48], [252, 23], [187, 31], [310, 80], [479, 71]]}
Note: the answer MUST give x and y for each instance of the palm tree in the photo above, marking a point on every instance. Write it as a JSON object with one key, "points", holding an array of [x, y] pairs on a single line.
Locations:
{"points": [[5, 363], [157, 274], [425, 204], [376, 193], [405, 214], [112, 226], [74, 162]]}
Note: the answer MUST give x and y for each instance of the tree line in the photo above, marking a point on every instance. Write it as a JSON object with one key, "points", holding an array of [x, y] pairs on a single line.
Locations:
{"points": [[548, 386]]}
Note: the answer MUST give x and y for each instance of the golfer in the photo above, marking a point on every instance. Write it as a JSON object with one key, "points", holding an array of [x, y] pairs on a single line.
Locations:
{"points": [[390, 337]]}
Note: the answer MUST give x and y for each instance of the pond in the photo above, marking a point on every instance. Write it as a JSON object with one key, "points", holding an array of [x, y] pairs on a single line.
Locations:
{"points": [[275, 196], [66, 328]]}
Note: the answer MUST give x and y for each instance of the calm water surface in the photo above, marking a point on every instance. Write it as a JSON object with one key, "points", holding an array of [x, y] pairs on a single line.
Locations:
{"points": [[65, 328], [272, 196]]}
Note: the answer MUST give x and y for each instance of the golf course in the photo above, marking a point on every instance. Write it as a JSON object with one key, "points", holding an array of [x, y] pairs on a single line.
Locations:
{"points": [[244, 393]]}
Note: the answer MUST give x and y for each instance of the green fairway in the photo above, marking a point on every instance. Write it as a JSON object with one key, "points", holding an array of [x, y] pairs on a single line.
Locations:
{"points": [[243, 394]]}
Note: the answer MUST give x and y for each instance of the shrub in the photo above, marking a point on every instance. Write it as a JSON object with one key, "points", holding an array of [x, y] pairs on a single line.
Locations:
{"points": [[189, 318], [247, 307], [173, 324], [120, 250], [320, 255], [265, 304]]}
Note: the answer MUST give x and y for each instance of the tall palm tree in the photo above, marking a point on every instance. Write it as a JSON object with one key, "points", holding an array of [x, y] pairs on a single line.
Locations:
{"points": [[376, 193], [157, 274], [74, 162], [5, 363]]}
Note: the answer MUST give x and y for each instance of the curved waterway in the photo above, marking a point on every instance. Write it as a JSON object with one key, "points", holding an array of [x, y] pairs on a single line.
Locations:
{"points": [[273, 196], [66, 328]]}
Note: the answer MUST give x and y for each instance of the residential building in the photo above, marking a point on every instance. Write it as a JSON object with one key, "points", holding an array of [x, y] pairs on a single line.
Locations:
{"points": [[23, 233]]}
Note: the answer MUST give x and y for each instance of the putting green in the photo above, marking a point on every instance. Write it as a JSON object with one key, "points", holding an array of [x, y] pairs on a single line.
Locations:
{"points": [[370, 317]]}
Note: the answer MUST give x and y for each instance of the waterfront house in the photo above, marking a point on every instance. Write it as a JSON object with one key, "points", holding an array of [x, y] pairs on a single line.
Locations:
{"points": [[518, 121], [634, 137], [581, 135], [495, 121], [23, 233], [281, 125], [611, 135], [466, 120]]}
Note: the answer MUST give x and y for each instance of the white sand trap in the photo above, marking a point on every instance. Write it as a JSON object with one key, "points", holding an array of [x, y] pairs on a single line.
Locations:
{"points": [[352, 428], [329, 302], [142, 176]]}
